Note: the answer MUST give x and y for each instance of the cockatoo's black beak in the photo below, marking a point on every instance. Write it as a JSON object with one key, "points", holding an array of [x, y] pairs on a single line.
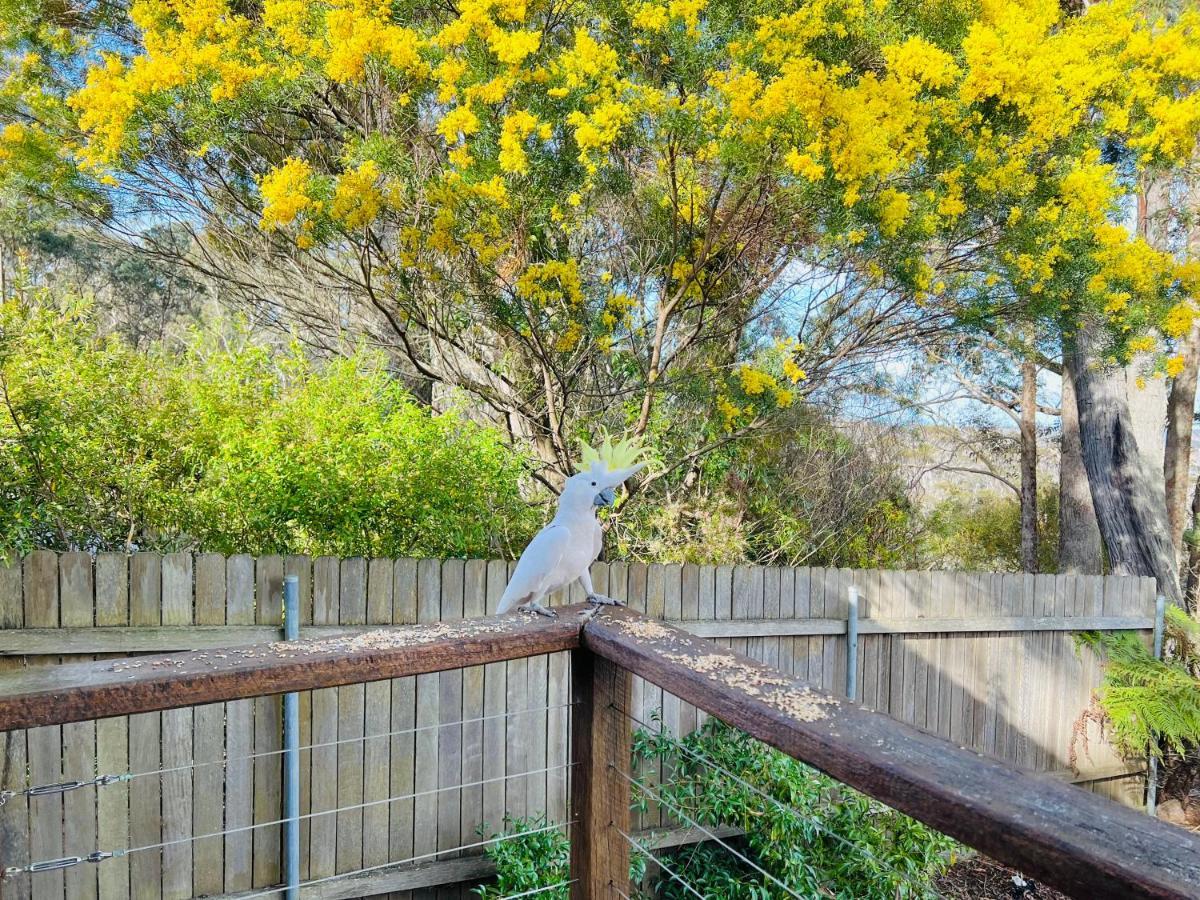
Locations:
{"points": [[606, 497]]}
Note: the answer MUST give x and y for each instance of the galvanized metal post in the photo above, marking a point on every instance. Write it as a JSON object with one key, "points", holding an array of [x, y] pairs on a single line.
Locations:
{"points": [[1160, 614], [291, 750], [852, 644]]}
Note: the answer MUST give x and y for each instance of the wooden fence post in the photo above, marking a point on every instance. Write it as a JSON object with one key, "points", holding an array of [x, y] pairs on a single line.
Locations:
{"points": [[600, 739]]}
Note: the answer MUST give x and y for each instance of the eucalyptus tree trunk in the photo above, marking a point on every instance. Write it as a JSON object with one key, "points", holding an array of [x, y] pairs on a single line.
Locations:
{"points": [[1029, 496], [1126, 493], [1079, 548], [1181, 413]]}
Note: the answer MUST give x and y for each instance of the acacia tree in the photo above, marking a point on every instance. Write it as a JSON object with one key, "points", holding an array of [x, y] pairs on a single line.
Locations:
{"points": [[695, 211]]}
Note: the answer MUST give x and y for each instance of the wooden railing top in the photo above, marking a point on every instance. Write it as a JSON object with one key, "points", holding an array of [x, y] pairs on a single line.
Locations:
{"points": [[1079, 842], [75, 692]]}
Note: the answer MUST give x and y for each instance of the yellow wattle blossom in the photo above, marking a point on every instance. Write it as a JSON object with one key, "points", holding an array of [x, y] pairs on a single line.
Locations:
{"points": [[893, 211], [1179, 319], [1175, 366], [512, 47], [285, 193], [728, 411], [517, 127], [754, 381], [458, 123], [551, 283], [804, 165], [651, 17], [357, 199]]}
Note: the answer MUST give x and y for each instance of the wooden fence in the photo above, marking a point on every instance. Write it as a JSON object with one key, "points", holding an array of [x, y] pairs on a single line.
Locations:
{"points": [[985, 660]]}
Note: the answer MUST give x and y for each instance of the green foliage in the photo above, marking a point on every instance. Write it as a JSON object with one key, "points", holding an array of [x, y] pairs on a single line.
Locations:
{"points": [[836, 842], [528, 859], [811, 493], [232, 447], [981, 532], [1151, 702]]}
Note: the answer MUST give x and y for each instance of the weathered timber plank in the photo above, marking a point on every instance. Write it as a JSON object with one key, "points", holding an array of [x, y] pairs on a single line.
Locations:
{"points": [[1072, 840], [79, 691], [86, 641], [599, 792], [208, 741], [239, 731]]}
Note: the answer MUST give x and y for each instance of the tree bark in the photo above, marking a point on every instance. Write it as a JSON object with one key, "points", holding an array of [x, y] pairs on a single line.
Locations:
{"points": [[1029, 497], [1079, 548], [1181, 412], [1192, 589], [1130, 506]]}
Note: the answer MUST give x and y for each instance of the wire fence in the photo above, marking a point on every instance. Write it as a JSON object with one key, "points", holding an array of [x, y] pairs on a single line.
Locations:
{"points": [[640, 787], [914, 888]]}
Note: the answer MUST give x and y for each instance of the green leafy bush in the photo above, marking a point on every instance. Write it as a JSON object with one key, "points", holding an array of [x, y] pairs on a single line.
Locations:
{"points": [[529, 858], [231, 446], [820, 837], [837, 843], [1150, 702], [980, 531]]}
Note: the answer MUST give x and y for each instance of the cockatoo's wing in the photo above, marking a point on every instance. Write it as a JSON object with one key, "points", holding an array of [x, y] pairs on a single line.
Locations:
{"points": [[536, 567]]}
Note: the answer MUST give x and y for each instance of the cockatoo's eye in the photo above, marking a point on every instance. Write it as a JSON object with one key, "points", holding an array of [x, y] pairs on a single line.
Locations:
{"points": [[593, 484]]}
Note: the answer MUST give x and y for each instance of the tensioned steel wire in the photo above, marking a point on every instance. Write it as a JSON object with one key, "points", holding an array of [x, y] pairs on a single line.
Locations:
{"points": [[662, 801], [63, 787], [791, 810], [658, 861], [99, 856], [433, 854]]}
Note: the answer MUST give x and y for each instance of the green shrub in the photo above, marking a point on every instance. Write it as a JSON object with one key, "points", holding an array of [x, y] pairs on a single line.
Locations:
{"points": [[980, 531], [1147, 702], [529, 858], [820, 838], [233, 447], [837, 843]]}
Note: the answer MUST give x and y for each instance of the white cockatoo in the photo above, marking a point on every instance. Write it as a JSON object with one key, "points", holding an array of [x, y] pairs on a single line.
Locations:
{"points": [[565, 549]]}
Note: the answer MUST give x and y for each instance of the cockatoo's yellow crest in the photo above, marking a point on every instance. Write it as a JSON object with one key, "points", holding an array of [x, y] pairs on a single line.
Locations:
{"points": [[612, 455]]}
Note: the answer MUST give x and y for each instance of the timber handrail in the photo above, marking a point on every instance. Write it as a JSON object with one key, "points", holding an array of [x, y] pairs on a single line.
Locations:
{"points": [[1076, 841], [75, 692]]}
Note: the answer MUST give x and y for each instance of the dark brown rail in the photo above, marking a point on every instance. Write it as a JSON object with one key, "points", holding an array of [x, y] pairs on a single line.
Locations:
{"points": [[52, 695], [1078, 842], [1083, 844]]}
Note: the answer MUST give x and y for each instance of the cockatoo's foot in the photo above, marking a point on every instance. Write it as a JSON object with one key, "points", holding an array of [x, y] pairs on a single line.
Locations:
{"points": [[535, 607], [601, 600]]}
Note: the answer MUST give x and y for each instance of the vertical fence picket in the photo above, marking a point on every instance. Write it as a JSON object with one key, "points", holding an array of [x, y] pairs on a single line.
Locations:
{"points": [[495, 699], [449, 736], [112, 734], [474, 604], [239, 741], [76, 599], [378, 705], [351, 722], [14, 815], [268, 734], [177, 743], [300, 566], [208, 743], [145, 741], [404, 718], [323, 760], [425, 807]]}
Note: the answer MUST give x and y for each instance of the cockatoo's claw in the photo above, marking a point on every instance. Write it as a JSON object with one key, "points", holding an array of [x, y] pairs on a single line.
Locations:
{"points": [[539, 609], [601, 600]]}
